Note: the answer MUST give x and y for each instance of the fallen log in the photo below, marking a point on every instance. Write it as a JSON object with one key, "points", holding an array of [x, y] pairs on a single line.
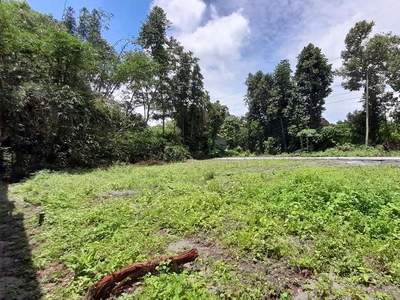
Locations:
{"points": [[113, 283]]}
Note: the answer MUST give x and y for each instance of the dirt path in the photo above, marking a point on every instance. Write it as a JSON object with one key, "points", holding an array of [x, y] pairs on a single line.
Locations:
{"points": [[356, 161], [17, 274]]}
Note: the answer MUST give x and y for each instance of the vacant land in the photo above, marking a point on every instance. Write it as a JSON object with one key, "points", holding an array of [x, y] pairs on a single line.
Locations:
{"points": [[264, 229]]}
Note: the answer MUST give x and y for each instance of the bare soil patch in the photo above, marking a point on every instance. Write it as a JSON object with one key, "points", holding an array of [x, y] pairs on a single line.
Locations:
{"points": [[276, 275], [54, 276], [149, 163], [17, 273]]}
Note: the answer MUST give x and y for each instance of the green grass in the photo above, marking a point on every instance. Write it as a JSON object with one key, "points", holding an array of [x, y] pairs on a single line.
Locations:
{"points": [[340, 224]]}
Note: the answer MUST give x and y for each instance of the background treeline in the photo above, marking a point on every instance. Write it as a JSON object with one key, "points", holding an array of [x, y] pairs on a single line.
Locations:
{"points": [[69, 99], [285, 109]]}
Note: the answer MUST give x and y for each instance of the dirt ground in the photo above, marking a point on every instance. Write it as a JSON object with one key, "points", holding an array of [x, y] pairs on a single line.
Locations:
{"points": [[17, 274]]}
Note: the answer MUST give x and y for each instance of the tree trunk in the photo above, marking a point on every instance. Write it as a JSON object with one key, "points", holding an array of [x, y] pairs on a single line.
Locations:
{"points": [[114, 282], [163, 123], [366, 113], [283, 135]]}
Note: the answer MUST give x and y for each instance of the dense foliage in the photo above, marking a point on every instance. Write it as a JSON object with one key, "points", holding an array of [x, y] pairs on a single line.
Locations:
{"points": [[61, 84], [285, 109], [370, 63], [282, 106]]}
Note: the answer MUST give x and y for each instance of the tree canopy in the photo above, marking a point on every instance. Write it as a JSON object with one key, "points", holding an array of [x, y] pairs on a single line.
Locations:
{"points": [[70, 99]]}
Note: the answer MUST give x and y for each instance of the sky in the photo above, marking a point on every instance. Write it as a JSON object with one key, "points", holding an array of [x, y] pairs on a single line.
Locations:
{"points": [[237, 37]]}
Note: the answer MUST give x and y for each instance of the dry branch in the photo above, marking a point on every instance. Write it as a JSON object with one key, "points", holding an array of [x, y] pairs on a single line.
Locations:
{"points": [[112, 283]]}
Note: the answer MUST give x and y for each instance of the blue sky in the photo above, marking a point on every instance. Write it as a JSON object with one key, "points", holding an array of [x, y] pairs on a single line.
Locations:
{"points": [[236, 37], [126, 22]]}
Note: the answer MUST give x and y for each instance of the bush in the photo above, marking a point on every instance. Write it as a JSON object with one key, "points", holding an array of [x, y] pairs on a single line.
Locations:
{"points": [[346, 147], [218, 153], [232, 153], [140, 146], [238, 149], [271, 146], [175, 153]]}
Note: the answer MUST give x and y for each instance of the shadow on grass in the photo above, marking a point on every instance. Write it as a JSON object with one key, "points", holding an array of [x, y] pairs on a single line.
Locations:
{"points": [[17, 273]]}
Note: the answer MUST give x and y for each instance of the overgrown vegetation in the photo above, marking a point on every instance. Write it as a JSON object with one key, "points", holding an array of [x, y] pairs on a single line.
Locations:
{"points": [[69, 99], [275, 228]]}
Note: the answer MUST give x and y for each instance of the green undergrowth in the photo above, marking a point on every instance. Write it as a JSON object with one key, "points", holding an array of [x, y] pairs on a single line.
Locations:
{"points": [[341, 221]]}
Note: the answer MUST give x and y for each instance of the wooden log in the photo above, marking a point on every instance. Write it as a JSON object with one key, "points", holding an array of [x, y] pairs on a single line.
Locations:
{"points": [[112, 283]]}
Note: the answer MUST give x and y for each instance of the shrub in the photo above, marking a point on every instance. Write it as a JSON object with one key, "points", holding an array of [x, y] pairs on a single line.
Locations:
{"points": [[238, 149], [346, 147], [231, 153], [143, 145], [271, 146], [175, 153]]}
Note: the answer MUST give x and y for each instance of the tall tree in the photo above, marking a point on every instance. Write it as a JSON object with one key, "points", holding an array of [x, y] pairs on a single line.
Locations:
{"points": [[267, 106], [153, 35], [69, 20], [181, 92], [187, 97], [282, 94], [393, 71], [138, 71], [216, 114], [91, 26], [196, 110], [313, 78], [153, 39], [370, 63]]}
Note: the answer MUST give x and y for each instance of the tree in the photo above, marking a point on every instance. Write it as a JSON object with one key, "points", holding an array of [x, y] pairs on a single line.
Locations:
{"points": [[50, 115], [138, 71], [153, 35], [282, 95], [153, 39], [196, 111], [104, 67], [313, 78], [233, 130], [268, 98], [69, 20], [262, 115], [370, 63], [393, 70], [182, 93], [259, 86], [216, 114]]}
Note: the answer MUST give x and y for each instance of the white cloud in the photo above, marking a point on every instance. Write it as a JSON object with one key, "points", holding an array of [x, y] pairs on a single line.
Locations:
{"points": [[326, 25], [219, 40], [236, 37], [218, 43], [185, 15]]}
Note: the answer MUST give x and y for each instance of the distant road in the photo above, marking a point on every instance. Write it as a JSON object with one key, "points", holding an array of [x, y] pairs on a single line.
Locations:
{"points": [[361, 161], [375, 158]]}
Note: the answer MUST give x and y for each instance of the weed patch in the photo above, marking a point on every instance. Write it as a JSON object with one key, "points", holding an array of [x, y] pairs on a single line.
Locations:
{"points": [[265, 229]]}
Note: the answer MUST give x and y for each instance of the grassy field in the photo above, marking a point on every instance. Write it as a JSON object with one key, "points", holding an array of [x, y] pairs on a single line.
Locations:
{"points": [[264, 229]]}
